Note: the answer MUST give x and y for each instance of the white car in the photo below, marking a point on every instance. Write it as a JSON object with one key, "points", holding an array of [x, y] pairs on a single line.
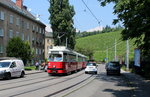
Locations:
{"points": [[91, 67], [11, 68]]}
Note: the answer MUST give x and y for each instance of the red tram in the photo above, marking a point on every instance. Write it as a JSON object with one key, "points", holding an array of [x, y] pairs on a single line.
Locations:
{"points": [[65, 61]]}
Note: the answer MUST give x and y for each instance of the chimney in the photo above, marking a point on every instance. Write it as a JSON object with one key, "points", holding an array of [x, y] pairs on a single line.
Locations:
{"points": [[19, 3]]}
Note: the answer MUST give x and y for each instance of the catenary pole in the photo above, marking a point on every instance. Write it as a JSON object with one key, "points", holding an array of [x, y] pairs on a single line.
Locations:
{"points": [[127, 55]]}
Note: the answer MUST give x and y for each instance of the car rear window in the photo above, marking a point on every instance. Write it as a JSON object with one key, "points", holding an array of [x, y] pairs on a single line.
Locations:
{"points": [[113, 64], [91, 64]]}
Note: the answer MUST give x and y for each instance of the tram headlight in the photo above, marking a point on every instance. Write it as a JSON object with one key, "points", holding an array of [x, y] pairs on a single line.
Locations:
{"points": [[49, 64]]}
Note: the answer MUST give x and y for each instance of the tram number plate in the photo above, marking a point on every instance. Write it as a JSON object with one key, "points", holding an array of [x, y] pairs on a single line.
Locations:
{"points": [[54, 71]]}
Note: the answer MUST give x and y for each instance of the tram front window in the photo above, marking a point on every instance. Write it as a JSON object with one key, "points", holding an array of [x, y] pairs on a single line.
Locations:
{"points": [[55, 57]]}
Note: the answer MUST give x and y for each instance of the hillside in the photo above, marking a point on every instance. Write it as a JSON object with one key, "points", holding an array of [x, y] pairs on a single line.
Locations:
{"points": [[100, 42]]}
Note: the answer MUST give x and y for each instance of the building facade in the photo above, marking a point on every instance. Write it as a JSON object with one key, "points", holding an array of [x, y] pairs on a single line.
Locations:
{"points": [[17, 21], [49, 43]]}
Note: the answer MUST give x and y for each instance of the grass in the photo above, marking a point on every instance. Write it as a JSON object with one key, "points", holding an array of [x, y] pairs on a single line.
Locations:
{"points": [[100, 42], [30, 67]]}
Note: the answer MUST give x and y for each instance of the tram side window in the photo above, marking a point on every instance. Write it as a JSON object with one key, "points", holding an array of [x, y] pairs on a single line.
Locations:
{"points": [[80, 59], [71, 58], [55, 57]]}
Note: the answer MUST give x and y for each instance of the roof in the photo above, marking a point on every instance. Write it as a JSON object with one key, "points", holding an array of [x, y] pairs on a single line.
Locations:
{"points": [[12, 6], [64, 49], [60, 48]]}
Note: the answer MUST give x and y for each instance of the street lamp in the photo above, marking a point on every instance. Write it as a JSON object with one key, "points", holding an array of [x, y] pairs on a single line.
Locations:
{"points": [[59, 37]]}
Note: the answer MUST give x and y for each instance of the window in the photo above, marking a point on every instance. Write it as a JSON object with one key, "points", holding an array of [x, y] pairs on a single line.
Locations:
{"points": [[1, 15], [51, 46], [28, 37], [47, 40], [40, 51], [43, 42], [33, 28], [1, 49], [55, 58], [37, 29], [33, 38], [13, 65], [11, 19], [17, 21], [28, 25], [1, 32], [24, 25], [36, 51], [43, 31], [17, 34], [10, 33], [22, 36]]}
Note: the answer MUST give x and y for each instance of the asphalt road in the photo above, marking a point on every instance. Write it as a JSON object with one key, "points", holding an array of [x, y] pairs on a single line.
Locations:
{"points": [[74, 85]]}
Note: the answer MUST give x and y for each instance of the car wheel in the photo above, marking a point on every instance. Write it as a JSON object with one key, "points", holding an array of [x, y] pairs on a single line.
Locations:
{"points": [[119, 73], [22, 74], [7, 76], [107, 73], [95, 72]]}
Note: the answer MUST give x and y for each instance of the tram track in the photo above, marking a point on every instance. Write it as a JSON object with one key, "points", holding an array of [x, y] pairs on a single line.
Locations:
{"points": [[37, 82], [67, 88], [47, 86], [23, 80]]}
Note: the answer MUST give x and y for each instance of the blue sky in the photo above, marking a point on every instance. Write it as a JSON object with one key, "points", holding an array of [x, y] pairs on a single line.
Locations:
{"points": [[83, 20]]}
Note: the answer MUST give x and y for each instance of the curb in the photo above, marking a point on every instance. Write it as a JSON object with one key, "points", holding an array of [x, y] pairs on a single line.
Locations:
{"points": [[33, 72]]}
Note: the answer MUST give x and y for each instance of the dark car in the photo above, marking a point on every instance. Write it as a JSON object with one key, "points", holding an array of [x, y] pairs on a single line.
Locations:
{"points": [[113, 68]]}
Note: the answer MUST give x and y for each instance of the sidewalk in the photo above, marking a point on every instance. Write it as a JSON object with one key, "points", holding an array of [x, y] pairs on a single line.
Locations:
{"points": [[27, 72], [141, 87]]}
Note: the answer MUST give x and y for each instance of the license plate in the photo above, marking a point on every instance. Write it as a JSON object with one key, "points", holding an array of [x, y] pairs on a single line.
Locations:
{"points": [[53, 71]]}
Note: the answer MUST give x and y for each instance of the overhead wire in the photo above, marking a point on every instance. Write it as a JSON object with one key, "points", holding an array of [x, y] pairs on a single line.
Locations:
{"points": [[91, 12]]}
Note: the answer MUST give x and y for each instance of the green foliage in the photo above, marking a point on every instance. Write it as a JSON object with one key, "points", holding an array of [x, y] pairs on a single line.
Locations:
{"points": [[99, 43], [29, 67], [19, 49], [61, 20], [135, 16], [86, 51]]}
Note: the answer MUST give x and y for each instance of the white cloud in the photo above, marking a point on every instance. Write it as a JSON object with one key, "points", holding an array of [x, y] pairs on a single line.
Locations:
{"points": [[99, 28]]}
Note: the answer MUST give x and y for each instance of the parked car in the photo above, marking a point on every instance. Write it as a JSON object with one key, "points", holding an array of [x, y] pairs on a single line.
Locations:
{"points": [[91, 67], [11, 68], [113, 68]]}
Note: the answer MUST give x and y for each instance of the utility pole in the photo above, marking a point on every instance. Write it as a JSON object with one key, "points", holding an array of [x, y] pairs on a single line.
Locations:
{"points": [[107, 54], [127, 56], [66, 42], [115, 51]]}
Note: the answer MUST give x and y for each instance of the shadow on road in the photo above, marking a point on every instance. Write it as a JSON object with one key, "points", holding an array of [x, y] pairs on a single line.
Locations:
{"points": [[125, 85], [116, 85]]}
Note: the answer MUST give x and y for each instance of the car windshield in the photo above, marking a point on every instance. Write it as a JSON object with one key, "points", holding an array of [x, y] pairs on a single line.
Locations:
{"points": [[91, 64], [113, 64], [4, 64], [55, 57]]}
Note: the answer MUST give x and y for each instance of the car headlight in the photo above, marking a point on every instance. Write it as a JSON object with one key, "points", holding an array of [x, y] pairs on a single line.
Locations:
{"points": [[3, 71]]}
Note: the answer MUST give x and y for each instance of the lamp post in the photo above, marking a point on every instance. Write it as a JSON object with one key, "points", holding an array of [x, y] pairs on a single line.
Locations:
{"points": [[59, 37]]}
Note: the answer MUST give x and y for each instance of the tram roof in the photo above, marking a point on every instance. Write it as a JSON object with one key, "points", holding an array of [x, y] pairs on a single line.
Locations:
{"points": [[65, 49], [60, 48]]}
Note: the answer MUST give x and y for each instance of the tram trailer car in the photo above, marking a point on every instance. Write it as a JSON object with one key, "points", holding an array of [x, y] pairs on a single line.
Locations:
{"points": [[64, 61]]}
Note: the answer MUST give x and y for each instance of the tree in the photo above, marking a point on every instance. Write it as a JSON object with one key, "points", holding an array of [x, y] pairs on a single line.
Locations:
{"points": [[19, 49], [86, 51], [61, 20], [135, 17]]}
